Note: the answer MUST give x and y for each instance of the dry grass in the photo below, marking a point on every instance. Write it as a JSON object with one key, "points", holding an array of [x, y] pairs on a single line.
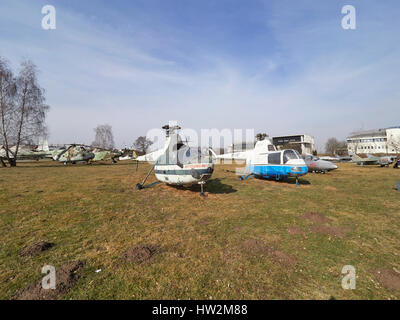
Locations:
{"points": [[237, 243]]}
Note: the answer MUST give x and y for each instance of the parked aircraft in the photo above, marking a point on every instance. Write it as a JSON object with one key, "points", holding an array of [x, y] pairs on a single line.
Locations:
{"points": [[73, 154], [328, 158], [105, 155], [336, 158], [316, 164], [83, 153], [343, 158], [372, 160], [127, 154], [265, 161], [177, 163], [382, 160], [3, 154], [27, 152]]}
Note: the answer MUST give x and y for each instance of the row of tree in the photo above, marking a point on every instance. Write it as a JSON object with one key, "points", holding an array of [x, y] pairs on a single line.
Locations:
{"points": [[334, 146], [104, 139], [23, 113], [22, 108]]}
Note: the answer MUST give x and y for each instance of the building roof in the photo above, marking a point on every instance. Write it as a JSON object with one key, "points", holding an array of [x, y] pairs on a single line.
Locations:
{"points": [[369, 133], [292, 135]]}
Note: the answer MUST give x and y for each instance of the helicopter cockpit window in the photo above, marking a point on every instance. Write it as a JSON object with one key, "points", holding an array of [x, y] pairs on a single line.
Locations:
{"points": [[297, 154], [289, 155], [274, 158]]}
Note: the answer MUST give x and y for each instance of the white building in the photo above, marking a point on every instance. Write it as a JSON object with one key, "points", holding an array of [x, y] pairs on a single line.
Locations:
{"points": [[305, 141], [385, 141]]}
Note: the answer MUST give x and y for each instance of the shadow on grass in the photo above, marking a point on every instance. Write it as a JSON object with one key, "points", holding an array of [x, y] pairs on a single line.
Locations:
{"points": [[302, 181], [213, 186]]}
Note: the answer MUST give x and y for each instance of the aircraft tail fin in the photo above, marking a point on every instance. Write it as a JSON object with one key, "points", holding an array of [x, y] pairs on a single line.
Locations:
{"points": [[355, 157]]}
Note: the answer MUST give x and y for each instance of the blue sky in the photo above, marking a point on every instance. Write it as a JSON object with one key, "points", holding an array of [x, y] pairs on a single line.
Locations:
{"points": [[280, 67]]}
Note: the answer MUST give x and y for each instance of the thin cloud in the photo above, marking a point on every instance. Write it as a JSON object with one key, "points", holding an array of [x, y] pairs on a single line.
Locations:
{"points": [[302, 73]]}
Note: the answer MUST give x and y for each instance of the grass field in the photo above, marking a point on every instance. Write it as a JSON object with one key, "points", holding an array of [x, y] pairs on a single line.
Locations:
{"points": [[253, 239]]}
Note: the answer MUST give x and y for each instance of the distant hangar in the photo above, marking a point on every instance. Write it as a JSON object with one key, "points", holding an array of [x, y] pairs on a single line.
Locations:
{"points": [[375, 141]]}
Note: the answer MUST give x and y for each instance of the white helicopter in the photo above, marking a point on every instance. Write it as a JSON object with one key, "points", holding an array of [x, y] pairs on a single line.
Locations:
{"points": [[267, 162], [177, 163]]}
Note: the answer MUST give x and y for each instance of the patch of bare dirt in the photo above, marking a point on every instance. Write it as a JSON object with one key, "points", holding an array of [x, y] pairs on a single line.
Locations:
{"points": [[204, 221], [319, 225], [252, 244], [316, 217], [331, 231], [66, 278], [330, 188], [388, 278], [258, 247], [283, 257], [295, 231], [141, 254], [35, 249]]}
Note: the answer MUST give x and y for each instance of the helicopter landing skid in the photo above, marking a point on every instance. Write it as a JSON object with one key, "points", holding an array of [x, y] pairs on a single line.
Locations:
{"points": [[139, 186], [244, 177]]}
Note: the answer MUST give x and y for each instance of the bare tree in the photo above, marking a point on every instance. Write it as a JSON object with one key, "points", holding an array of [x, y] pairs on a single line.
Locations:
{"points": [[22, 108], [294, 146], [104, 138], [142, 144], [332, 145], [31, 109], [7, 96]]}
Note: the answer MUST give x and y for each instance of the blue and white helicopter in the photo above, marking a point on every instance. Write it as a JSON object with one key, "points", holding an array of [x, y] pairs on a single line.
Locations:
{"points": [[266, 161]]}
